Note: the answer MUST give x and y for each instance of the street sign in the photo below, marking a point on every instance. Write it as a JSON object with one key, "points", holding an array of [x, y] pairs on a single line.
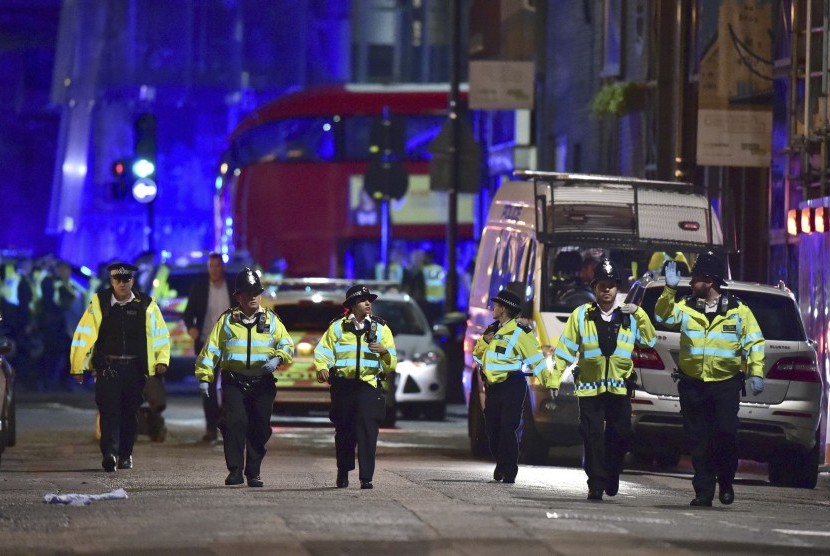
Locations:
{"points": [[469, 159]]}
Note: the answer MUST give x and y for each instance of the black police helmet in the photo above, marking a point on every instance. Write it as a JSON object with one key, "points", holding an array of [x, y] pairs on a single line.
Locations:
{"points": [[709, 264], [247, 281], [356, 293], [606, 270], [508, 299]]}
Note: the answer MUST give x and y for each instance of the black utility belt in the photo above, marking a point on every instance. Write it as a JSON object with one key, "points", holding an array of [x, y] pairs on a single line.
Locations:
{"points": [[249, 381]]}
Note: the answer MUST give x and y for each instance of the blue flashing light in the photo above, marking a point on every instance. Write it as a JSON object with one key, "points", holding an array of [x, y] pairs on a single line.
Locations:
{"points": [[218, 182]]}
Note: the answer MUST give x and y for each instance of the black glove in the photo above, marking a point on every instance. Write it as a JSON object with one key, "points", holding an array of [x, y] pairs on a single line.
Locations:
{"points": [[493, 328]]}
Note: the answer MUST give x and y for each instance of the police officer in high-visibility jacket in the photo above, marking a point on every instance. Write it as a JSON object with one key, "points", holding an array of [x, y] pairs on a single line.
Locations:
{"points": [[717, 334], [503, 352], [122, 339], [355, 354], [600, 337], [247, 344]]}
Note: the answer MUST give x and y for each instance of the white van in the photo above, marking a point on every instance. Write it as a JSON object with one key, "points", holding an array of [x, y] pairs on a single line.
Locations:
{"points": [[542, 232]]}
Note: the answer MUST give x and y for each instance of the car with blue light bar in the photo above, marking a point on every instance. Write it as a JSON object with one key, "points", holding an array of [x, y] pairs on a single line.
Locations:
{"points": [[307, 306], [780, 426]]}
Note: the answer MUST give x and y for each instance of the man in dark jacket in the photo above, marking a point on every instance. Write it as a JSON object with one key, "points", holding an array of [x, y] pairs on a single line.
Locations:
{"points": [[208, 299]]}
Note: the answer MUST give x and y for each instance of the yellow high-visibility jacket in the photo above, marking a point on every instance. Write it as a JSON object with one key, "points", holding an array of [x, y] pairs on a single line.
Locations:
{"points": [[344, 351], [713, 351], [598, 373], [513, 348], [243, 349], [86, 334]]}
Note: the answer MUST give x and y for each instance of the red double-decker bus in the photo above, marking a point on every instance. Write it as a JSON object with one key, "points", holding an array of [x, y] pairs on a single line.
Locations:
{"points": [[291, 180]]}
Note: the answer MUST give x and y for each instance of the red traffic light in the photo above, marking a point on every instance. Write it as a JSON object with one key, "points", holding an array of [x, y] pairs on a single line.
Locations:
{"points": [[119, 168]]}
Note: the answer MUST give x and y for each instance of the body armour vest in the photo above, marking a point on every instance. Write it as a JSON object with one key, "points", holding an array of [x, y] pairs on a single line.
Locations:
{"points": [[123, 330]]}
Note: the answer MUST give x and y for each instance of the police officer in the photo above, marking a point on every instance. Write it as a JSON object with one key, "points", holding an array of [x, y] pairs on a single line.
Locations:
{"points": [[717, 331], [600, 336], [247, 344], [355, 355], [502, 352], [122, 338]]}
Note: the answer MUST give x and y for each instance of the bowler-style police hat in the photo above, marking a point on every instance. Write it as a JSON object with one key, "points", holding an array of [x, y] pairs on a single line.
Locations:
{"points": [[708, 264], [247, 281], [606, 270], [122, 270], [508, 299], [356, 293]]}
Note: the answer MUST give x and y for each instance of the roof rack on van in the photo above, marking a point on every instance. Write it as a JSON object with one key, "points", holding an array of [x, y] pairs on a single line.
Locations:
{"points": [[576, 178], [591, 209]]}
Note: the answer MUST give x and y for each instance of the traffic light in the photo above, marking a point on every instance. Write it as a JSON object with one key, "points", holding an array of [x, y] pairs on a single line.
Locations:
{"points": [[144, 163], [120, 187], [144, 187], [386, 176]]}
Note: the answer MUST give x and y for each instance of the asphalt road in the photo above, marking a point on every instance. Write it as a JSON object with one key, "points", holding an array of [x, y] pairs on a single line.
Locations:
{"points": [[430, 497]]}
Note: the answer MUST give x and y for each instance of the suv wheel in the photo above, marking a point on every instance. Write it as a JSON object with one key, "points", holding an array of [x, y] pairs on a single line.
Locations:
{"points": [[799, 470], [475, 424], [435, 411], [533, 448]]}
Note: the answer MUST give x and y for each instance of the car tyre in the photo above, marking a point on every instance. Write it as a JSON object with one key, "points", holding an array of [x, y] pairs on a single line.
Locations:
{"points": [[479, 445], [435, 411], [11, 438], [533, 448], [410, 412], [797, 470]]}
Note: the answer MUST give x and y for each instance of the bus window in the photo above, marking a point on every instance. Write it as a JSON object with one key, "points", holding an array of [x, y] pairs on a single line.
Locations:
{"points": [[295, 139], [419, 131]]}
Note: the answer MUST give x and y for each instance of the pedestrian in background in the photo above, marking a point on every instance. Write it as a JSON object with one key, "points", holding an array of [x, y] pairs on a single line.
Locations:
{"points": [[208, 299], [505, 349], [600, 337], [248, 343], [718, 333], [121, 338], [355, 355]]}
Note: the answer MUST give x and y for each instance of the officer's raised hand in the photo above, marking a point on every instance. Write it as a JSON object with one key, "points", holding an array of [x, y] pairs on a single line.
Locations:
{"points": [[672, 275], [756, 384], [628, 308], [204, 388]]}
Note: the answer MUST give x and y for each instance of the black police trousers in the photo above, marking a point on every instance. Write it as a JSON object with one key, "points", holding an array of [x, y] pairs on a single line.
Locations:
{"points": [[248, 405], [710, 422], [356, 424], [605, 428], [118, 393], [502, 420]]}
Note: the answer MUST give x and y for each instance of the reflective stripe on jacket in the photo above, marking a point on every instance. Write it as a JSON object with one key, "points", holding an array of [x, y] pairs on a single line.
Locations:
{"points": [[580, 342], [240, 348], [512, 348], [86, 334], [713, 351], [338, 351]]}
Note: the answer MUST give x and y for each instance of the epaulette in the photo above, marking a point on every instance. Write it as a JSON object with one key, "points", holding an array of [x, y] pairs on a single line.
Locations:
{"points": [[273, 312], [378, 320], [335, 320], [524, 327]]}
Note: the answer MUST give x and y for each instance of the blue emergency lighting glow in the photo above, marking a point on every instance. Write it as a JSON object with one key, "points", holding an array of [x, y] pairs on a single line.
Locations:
{"points": [[143, 168], [218, 182], [229, 221], [144, 190], [327, 127], [85, 271]]}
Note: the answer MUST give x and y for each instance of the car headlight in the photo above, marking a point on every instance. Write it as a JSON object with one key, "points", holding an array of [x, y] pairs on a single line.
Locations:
{"points": [[426, 357]]}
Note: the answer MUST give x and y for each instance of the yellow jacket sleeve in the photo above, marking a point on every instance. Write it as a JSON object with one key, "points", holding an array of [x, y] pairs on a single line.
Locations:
{"points": [[84, 338], [208, 359]]}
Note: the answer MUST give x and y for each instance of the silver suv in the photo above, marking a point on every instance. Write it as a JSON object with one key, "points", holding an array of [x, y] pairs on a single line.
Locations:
{"points": [[779, 426]]}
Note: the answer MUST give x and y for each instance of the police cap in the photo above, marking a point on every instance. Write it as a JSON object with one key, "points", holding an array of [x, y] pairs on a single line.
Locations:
{"points": [[356, 293], [119, 270], [508, 299]]}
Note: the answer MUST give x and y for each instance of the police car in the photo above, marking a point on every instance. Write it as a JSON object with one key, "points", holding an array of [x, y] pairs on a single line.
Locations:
{"points": [[307, 306], [780, 426]]}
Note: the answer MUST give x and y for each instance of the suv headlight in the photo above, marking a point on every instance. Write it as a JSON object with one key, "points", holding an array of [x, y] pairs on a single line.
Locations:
{"points": [[426, 357]]}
